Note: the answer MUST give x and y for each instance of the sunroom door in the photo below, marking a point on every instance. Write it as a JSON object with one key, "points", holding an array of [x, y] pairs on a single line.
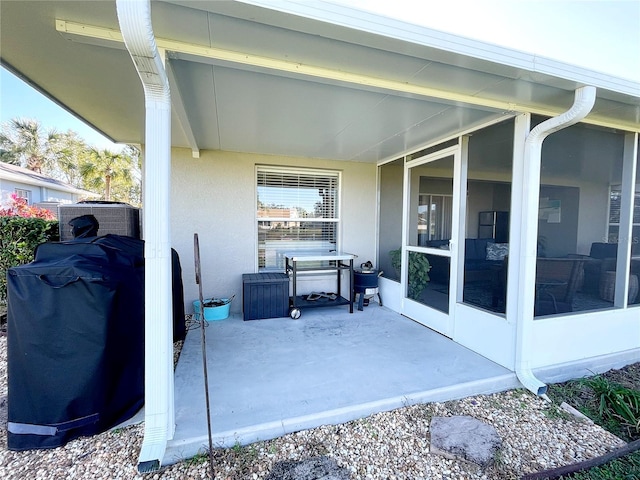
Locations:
{"points": [[429, 280]]}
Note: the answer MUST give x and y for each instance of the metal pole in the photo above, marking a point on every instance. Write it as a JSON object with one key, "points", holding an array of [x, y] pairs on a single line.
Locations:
{"points": [[196, 248]]}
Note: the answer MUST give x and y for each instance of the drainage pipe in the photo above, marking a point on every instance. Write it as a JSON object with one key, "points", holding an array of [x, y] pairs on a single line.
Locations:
{"points": [[134, 17], [582, 105]]}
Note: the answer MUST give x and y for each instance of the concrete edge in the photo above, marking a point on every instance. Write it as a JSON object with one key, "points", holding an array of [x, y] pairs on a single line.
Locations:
{"points": [[179, 450], [186, 448]]}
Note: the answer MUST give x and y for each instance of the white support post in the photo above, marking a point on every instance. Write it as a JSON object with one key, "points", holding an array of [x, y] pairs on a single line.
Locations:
{"points": [[134, 17], [625, 234]]}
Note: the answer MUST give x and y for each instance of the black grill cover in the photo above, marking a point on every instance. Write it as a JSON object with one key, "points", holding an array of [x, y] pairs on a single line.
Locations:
{"points": [[75, 340], [122, 250], [179, 327]]}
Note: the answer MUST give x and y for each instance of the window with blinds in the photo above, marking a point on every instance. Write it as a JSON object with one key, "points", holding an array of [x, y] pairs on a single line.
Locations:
{"points": [[615, 198], [297, 211]]}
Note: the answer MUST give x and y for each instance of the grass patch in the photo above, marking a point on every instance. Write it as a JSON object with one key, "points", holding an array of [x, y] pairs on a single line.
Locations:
{"points": [[611, 400], [613, 406], [555, 412], [197, 459], [625, 468]]}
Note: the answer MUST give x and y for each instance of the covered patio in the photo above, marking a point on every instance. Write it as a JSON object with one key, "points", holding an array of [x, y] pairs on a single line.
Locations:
{"points": [[419, 134], [276, 376]]}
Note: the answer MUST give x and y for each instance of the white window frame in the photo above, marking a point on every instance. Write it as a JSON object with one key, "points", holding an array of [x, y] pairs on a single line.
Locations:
{"points": [[23, 193], [440, 220], [332, 176]]}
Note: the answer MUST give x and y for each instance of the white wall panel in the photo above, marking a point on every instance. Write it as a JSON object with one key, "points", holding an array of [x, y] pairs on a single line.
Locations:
{"points": [[486, 333], [575, 337]]}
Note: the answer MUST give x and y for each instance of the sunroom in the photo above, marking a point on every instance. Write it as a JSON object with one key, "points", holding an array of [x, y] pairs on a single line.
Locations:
{"points": [[575, 233]]}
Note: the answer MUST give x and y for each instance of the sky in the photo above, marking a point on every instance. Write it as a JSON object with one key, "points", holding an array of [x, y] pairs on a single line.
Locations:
{"points": [[19, 100], [602, 35]]}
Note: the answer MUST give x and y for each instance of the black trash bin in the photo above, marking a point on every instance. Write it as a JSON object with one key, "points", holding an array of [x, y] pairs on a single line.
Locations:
{"points": [[75, 341]]}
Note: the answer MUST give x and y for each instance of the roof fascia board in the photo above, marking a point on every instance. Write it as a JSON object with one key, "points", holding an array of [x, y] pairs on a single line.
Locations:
{"points": [[351, 18], [107, 37]]}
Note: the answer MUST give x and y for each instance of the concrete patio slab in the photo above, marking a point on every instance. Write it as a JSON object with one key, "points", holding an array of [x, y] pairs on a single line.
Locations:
{"points": [[276, 376]]}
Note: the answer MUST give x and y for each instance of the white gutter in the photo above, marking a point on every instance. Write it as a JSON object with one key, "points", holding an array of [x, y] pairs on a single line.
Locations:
{"points": [[134, 17], [582, 105]]}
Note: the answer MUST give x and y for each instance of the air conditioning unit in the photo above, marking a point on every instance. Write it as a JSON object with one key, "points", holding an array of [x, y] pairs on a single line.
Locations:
{"points": [[114, 217], [51, 206]]}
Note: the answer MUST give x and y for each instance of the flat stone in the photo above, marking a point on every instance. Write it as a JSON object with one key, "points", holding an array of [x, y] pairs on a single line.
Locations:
{"points": [[466, 438], [315, 468]]}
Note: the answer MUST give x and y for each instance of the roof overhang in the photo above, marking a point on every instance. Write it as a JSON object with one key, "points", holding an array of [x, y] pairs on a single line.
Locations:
{"points": [[24, 176], [308, 79]]}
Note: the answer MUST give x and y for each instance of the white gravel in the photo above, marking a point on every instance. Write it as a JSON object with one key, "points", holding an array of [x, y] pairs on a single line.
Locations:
{"points": [[391, 445]]}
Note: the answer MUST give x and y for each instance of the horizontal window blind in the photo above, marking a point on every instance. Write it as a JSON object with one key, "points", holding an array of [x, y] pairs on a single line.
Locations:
{"points": [[297, 210], [614, 206], [615, 203]]}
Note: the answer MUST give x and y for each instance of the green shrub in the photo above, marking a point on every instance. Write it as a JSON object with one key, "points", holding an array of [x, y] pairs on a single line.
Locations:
{"points": [[419, 267], [19, 237]]}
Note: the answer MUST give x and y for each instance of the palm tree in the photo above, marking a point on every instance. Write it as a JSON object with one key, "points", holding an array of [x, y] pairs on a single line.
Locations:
{"points": [[24, 142], [72, 152], [102, 168], [6, 153]]}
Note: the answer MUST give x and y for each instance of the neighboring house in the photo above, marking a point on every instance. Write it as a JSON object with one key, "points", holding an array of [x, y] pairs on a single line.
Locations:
{"points": [[38, 189], [393, 135]]}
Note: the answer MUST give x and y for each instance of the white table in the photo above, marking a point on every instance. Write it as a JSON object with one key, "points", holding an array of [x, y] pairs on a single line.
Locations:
{"points": [[319, 261]]}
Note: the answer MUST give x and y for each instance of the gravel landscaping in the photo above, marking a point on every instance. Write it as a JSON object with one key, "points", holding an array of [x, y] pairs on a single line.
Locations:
{"points": [[536, 435]]}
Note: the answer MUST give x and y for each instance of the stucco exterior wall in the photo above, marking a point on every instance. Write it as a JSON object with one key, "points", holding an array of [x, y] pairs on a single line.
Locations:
{"points": [[215, 196]]}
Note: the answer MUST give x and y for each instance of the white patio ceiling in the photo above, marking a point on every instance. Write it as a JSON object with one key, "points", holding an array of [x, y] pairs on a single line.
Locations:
{"points": [[253, 79]]}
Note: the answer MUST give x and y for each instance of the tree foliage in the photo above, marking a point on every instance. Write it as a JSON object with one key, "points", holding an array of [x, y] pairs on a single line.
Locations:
{"points": [[67, 157], [102, 168], [26, 143]]}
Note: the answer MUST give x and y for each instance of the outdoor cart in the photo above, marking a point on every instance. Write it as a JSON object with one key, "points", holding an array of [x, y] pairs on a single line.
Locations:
{"points": [[296, 263]]}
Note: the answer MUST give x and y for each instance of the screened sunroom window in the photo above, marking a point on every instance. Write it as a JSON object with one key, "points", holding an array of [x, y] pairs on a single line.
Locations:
{"points": [[297, 212]]}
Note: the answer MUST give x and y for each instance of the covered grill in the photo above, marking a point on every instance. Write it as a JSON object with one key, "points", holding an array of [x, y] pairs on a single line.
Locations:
{"points": [[76, 339], [365, 284]]}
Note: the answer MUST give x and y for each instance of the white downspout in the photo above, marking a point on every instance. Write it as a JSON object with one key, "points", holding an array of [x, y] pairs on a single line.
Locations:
{"points": [[582, 105], [134, 17]]}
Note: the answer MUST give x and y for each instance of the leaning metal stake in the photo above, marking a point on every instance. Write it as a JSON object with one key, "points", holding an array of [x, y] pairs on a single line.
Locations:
{"points": [[196, 249]]}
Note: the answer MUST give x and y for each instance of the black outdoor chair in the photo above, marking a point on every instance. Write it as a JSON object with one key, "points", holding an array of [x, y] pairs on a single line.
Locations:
{"points": [[557, 281]]}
